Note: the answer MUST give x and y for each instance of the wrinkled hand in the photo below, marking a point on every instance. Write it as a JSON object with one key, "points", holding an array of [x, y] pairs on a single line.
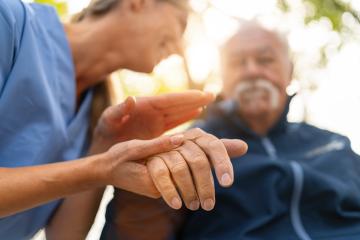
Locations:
{"points": [[186, 171], [157, 168], [123, 164], [147, 117]]}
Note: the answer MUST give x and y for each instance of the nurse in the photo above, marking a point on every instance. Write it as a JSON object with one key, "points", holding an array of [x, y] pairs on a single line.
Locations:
{"points": [[47, 72]]}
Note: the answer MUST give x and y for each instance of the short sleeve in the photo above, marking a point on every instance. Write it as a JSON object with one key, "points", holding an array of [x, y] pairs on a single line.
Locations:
{"points": [[7, 44]]}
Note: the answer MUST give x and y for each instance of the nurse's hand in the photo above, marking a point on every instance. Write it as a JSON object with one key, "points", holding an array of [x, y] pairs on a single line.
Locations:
{"points": [[125, 163], [147, 117], [185, 173], [158, 162]]}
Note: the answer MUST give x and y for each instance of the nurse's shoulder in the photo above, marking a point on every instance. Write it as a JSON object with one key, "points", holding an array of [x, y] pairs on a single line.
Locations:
{"points": [[10, 10]]}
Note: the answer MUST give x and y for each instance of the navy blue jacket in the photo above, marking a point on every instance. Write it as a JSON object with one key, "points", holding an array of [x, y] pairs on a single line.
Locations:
{"points": [[298, 182]]}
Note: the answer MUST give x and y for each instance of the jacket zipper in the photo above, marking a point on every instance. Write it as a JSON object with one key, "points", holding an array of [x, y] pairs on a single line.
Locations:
{"points": [[297, 190]]}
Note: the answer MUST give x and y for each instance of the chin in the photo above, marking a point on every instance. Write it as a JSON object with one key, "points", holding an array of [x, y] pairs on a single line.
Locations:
{"points": [[256, 111], [146, 68]]}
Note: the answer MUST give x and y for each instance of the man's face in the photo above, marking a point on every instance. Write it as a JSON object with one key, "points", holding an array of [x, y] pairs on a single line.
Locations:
{"points": [[154, 33], [256, 71]]}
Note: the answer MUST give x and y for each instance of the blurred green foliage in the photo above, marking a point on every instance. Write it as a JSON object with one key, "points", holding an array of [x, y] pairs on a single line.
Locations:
{"points": [[333, 10], [60, 5]]}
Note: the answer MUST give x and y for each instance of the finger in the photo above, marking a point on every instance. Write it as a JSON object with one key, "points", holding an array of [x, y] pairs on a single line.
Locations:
{"points": [[235, 147], [201, 172], [219, 158], [162, 180], [217, 153], [181, 175], [185, 108], [139, 149], [180, 99], [119, 114], [174, 121]]}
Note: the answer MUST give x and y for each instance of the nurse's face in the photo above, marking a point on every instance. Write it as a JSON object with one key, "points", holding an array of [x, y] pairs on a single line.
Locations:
{"points": [[153, 32]]}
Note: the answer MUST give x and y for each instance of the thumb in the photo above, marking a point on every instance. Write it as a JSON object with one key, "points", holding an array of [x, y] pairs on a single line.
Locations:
{"points": [[235, 147], [139, 149], [122, 109]]}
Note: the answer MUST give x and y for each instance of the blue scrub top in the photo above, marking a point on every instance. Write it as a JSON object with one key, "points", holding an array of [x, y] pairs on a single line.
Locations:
{"points": [[39, 123]]}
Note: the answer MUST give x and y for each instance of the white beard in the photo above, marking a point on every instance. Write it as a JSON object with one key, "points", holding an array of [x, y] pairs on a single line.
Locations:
{"points": [[254, 89]]}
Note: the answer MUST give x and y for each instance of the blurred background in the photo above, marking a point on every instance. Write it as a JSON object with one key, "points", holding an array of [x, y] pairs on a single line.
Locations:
{"points": [[324, 36]]}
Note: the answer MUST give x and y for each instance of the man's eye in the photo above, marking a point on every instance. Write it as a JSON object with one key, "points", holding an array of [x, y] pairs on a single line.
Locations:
{"points": [[265, 60], [238, 62]]}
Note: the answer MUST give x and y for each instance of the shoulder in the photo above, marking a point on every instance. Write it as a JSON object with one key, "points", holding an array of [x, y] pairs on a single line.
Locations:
{"points": [[12, 15], [9, 40]]}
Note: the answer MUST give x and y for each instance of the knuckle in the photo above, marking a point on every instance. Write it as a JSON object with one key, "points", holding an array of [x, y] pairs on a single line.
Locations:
{"points": [[200, 163], [140, 171], [161, 174], [207, 190], [163, 142], [154, 194], [223, 166], [215, 143], [198, 131], [179, 169]]}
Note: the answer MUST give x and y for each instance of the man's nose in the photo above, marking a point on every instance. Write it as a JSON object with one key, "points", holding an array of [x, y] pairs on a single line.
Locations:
{"points": [[252, 69]]}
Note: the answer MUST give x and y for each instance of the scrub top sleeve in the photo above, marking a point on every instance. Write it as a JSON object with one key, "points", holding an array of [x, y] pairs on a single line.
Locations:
{"points": [[7, 46]]}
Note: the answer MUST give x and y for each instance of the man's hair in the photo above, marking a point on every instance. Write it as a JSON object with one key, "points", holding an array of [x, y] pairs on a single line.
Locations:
{"points": [[249, 24], [98, 8]]}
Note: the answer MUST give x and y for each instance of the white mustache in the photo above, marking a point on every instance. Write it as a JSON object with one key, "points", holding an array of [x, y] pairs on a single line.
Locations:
{"points": [[257, 86]]}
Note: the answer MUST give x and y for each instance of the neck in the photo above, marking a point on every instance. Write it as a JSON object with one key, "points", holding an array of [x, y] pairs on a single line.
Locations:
{"points": [[93, 56], [261, 123]]}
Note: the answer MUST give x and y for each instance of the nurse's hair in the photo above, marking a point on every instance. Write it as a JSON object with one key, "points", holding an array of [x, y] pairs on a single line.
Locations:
{"points": [[101, 93], [99, 8]]}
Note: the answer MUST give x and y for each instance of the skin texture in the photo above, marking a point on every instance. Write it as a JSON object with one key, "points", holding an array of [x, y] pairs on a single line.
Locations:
{"points": [[130, 36]]}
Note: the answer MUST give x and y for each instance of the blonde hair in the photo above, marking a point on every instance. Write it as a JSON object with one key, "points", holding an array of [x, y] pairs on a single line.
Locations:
{"points": [[102, 96], [101, 7]]}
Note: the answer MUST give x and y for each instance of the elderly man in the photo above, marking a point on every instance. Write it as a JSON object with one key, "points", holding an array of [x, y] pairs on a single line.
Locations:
{"points": [[296, 182]]}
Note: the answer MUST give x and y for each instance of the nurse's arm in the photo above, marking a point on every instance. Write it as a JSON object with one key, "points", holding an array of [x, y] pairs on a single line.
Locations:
{"points": [[27, 187]]}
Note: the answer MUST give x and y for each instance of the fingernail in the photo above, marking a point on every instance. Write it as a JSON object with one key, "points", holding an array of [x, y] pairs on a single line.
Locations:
{"points": [[208, 204], [194, 205], [177, 139], [226, 180], [176, 203]]}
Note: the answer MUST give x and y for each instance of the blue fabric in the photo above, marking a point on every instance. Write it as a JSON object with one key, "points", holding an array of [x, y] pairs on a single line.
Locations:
{"points": [[306, 185], [39, 121]]}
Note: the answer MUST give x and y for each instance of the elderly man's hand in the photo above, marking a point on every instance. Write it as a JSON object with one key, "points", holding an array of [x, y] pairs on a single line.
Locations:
{"points": [[147, 117], [186, 171], [158, 167]]}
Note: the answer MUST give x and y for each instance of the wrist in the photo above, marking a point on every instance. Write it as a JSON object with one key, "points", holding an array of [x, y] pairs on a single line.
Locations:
{"points": [[99, 166]]}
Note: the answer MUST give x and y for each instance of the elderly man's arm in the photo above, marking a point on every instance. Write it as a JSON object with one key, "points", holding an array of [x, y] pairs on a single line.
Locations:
{"points": [[132, 216]]}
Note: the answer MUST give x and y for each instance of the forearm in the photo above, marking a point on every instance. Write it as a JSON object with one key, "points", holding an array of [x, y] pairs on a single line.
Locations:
{"points": [[28, 187], [75, 216]]}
